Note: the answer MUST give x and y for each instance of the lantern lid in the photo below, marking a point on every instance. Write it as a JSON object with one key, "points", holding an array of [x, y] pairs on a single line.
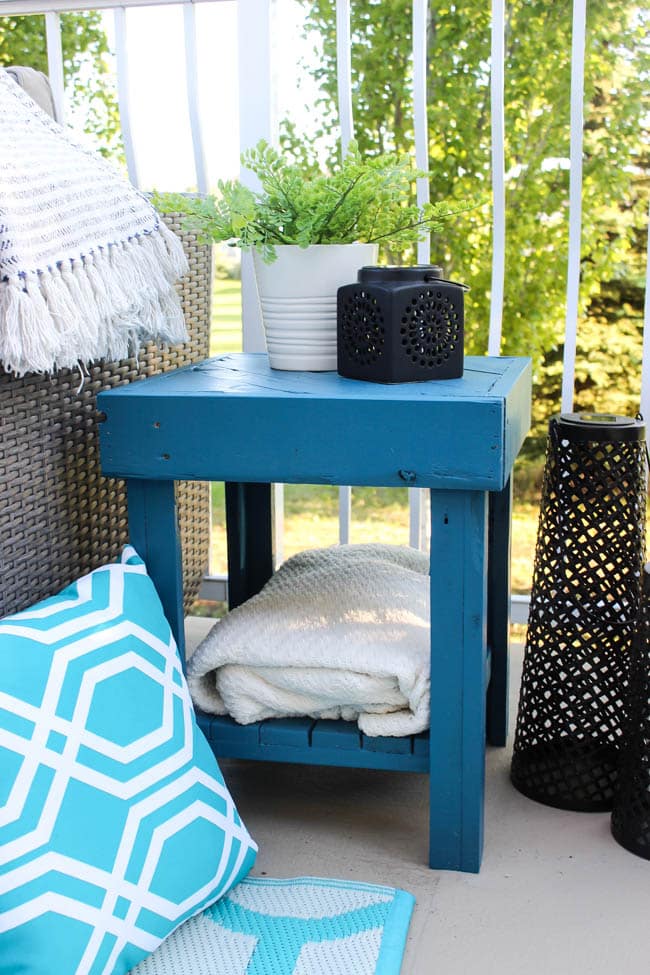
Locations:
{"points": [[599, 426]]}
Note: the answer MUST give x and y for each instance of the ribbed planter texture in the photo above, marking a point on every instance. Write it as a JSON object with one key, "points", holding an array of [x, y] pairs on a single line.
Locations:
{"points": [[298, 301]]}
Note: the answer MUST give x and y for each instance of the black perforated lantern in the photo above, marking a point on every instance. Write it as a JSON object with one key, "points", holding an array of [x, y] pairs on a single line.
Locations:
{"points": [[584, 604], [631, 814], [400, 324]]}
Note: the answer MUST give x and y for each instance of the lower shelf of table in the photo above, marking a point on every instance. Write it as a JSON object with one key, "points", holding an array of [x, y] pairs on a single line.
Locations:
{"points": [[310, 742]]}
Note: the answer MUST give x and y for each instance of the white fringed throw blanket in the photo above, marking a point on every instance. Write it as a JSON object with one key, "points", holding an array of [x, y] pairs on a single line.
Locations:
{"points": [[87, 268], [335, 633]]}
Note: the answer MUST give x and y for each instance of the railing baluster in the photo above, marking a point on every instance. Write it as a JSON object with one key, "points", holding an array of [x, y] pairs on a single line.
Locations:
{"points": [[278, 524], [255, 123], [497, 65], [575, 201], [55, 62], [420, 118], [420, 15], [193, 100], [123, 93], [344, 72], [415, 517], [345, 514], [645, 367], [346, 122]]}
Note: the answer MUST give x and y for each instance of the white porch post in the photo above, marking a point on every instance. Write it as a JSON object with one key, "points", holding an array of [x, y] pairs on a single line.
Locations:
{"points": [[575, 202], [346, 122], [193, 100], [420, 14], [255, 123], [123, 94], [55, 62], [497, 62]]}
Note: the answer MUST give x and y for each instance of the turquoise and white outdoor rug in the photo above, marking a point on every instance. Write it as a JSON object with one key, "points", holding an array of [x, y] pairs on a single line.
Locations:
{"points": [[303, 926]]}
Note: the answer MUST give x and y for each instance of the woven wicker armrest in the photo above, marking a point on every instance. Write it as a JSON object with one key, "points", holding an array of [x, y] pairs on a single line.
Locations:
{"points": [[59, 518]]}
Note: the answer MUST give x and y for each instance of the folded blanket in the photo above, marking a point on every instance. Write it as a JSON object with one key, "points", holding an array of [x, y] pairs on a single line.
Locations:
{"points": [[336, 633], [87, 268]]}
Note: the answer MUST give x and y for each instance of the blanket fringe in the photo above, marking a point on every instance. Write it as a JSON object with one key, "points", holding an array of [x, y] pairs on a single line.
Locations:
{"points": [[102, 306]]}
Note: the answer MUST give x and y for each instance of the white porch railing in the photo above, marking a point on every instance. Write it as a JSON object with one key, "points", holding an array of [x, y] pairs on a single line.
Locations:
{"points": [[256, 78]]}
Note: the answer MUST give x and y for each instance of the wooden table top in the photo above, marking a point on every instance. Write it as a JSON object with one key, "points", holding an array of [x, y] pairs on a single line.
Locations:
{"points": [[233, 418]]}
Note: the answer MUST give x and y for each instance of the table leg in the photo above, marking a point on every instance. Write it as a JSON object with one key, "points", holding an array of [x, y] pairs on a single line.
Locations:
{"points": [[499, 613], [250, 540], [458, 678], [154, 533]]}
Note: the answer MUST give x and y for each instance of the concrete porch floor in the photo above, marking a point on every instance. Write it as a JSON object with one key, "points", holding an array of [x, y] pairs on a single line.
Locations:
{"points": [[556, 894]]}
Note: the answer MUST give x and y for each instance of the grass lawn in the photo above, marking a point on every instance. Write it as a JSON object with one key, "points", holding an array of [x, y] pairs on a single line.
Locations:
{"points": [[226, 335], [378, 514]]}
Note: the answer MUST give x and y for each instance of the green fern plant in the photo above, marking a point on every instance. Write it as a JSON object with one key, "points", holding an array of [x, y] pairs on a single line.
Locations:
{"points": [[360, 200]]}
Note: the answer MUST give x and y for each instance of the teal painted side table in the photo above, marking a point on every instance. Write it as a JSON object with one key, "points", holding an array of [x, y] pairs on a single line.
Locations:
{"points": [[234, 419]]}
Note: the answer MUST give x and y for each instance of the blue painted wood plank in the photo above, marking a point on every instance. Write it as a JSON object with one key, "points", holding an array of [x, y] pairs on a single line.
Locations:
{"points": [[421, 744], [498, 620], [154, 533], [457, 446], [289, 732], [225, 728], [303, 741], [250, 541], [383, 743], [339, 757], [336, 734], [458, 648], [244, 375], [517, 416]]}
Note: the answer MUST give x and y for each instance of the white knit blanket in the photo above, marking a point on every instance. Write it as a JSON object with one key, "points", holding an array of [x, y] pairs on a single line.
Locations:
{"points": [[87, 268], [335, 633]]}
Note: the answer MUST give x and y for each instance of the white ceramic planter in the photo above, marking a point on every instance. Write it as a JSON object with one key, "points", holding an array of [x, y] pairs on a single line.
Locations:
{"points": [[298, 300]]}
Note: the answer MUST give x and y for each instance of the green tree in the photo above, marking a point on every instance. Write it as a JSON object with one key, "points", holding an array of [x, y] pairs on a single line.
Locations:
{"points": [[537, 91], [86, 72]]}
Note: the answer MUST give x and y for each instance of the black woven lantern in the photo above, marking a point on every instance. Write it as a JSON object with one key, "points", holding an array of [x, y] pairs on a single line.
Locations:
{"points": [[631, 814], [584, 604], [401, 324]]}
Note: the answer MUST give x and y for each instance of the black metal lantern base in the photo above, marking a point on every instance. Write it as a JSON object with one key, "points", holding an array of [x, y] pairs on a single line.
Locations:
{"points": [[568, 774], [631, 813], [400, 324], [584, 603]]}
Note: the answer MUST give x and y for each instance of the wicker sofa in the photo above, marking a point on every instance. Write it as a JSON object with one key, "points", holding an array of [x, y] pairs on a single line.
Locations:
{"points": [[59, 518]]}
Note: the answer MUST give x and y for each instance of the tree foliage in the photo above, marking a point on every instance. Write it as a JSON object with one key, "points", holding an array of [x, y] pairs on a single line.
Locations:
{"points": [[537, 92], [22, 41]]}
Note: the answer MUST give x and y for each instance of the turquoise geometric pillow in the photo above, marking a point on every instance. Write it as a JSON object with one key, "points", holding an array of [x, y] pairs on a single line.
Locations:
{"points": [[115, 822]]}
